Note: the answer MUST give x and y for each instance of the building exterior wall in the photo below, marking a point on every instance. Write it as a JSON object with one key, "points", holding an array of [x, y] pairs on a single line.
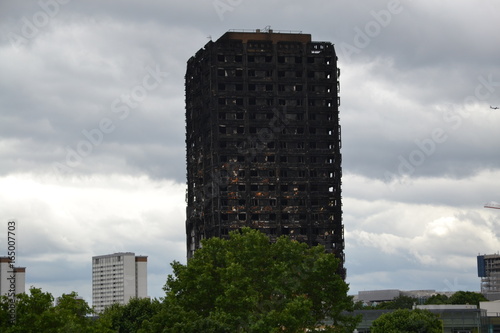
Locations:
{"points": [[454, 319], [128, 277], [492, 308], [141, 276], [488, 269], [5, 271], [8, 274], [370, 296], [493, 315], [376, 296], [115, 279], [20, 273], [263, 139]]}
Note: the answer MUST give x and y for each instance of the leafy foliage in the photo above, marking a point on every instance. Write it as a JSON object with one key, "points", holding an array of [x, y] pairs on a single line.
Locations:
{"points": [[467, 297], [437, 299], [407, 321], [401, 302], [35, 312], [128, 318], [460, 297], [248, 284]]}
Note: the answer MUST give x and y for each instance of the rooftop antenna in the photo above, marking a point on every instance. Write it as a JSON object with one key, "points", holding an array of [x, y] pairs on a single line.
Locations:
{"points": [[209, 37], [267, 28]]}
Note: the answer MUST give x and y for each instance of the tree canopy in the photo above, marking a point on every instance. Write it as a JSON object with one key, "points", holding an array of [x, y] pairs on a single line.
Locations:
{"points": [[438, 299], [247, 284], [467, 297], [128, 318], [35, 312], [407, 321], [401, 302], [460, 297]]}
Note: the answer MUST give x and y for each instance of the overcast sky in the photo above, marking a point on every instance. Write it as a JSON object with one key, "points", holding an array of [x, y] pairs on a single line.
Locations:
{"points": [[92, 157]]}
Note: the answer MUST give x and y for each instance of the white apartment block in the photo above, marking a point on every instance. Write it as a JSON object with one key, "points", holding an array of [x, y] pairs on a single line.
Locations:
{"points": [[118, 277], [12, 279]]}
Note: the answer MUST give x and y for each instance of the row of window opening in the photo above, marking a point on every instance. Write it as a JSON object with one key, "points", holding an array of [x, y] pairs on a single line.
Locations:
{"points": [[268, 73], [272, 188], [273, 202], [269, 217], [238, 58], [272, 115], [273, 144], [270, 87], [272, 173], [272, 159], [224, 129], [281, 102]]}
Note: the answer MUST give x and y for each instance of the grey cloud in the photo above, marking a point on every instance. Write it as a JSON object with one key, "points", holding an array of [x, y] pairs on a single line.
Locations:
{"points": [[398, 88]]}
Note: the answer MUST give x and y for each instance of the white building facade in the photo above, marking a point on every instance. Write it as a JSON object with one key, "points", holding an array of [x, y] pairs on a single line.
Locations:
{"points": [[12, 279], [118, 277], [488, 269]]}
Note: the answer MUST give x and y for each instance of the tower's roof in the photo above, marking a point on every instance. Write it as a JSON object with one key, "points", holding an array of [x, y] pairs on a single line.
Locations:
{"points": [[268, 35]]}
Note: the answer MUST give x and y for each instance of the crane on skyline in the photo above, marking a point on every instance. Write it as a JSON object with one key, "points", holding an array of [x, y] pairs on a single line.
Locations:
{"points": [[492, 204]]}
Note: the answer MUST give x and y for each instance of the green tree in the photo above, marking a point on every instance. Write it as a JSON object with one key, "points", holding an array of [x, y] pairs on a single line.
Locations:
{"points": [[35, 312], [466, 297], [437, 299], [359, 305], [71, 314], [401, 302], [128, 318], [247, 284], [407, 321]]}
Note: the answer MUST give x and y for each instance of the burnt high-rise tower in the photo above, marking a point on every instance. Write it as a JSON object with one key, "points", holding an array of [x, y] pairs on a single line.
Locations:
{"points": [[263, 139]]}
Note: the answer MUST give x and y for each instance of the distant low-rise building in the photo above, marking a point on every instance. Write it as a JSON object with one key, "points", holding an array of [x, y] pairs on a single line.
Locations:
{"points": [[118, 277], [372, 297], [493, 315], [377, 296], [459, 318], [455, 318], [12, 279]]}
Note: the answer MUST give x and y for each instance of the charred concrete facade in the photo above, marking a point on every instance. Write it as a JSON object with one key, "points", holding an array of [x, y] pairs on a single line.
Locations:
{"points": [[263, 139]]}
